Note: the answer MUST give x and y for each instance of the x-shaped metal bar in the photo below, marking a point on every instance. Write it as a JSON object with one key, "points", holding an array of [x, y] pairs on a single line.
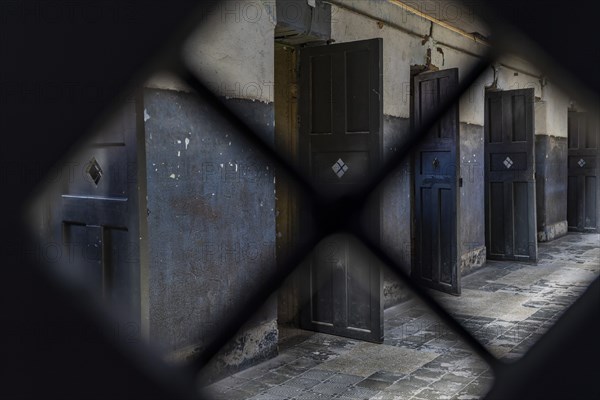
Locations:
{"points": [[331, 218]]}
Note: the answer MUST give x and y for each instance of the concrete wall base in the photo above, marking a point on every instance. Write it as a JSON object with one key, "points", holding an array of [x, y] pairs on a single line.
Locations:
{"points": [[394, 290], [253, 346], [553, 231], [472, 260]]}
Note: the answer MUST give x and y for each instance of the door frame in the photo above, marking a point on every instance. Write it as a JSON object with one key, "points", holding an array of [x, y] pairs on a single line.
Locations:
{"points": [[286, 199], [142, 201]]}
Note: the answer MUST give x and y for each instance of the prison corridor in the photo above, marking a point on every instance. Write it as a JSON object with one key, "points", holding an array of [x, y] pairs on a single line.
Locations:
{"points": [[506, 305]]}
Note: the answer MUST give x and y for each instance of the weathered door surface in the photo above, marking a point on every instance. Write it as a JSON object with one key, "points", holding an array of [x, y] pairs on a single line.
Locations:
{"points": [[435, 257], [98, 211], [510, 226], [341, 111], [583, 170]]}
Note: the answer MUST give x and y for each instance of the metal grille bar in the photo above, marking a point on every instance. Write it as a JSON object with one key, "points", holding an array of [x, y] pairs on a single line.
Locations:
{"points": [[331, 218]]}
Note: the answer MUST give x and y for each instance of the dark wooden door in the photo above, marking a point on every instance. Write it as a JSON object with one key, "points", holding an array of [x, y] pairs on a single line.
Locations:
{"points": [[341, 112], [435, 257], [510, 226], [583, 170], [99, 214]]}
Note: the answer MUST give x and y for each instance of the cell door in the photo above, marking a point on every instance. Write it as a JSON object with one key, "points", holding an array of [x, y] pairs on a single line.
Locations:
{"points": [[341, 112], [98, 213], [583, 190], [435, 257], [510, 226]]}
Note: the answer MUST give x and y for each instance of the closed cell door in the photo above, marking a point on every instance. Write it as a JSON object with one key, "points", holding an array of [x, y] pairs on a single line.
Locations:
{"points": [[583, 190], [98, 214], [435, 259], [341, 113], [510, 225]]}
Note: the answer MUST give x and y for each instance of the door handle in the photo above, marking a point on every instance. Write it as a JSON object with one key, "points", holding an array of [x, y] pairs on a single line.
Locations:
{"points": [[435, 163]]}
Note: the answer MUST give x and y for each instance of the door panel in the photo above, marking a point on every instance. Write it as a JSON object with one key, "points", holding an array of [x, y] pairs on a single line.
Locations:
{"points": [[343, 290], [510, 175], [341, 112], [583, 170], [435, 257], [98, 212]]}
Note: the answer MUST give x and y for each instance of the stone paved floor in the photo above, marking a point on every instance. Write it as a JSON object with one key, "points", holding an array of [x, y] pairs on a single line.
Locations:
{"points": [[507, 306]]}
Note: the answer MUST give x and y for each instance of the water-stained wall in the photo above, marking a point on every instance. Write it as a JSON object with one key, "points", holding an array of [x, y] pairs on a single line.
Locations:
{"points": [[211, 196]]}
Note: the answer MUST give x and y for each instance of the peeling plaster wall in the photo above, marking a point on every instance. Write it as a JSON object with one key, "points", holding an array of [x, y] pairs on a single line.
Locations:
{"points": [[233, 50], [400, 50], [210, 216], [557, 116], [211, 200], [253, 346], [403, 46], [509, 79]]}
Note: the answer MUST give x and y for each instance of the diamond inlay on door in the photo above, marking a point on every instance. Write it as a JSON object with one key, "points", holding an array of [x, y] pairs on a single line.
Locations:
{"points": [[94, 171], [339, 168]]}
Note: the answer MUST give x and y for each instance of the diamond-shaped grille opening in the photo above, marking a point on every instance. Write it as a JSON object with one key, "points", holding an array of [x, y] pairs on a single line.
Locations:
{"points": [[94, 171], [581, 162], [508, 162]]}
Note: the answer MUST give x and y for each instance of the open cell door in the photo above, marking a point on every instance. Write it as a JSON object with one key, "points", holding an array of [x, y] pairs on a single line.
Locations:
{"points": [[97, 215], [341, 112], [583, 190], [510, 229], [435, 257]]}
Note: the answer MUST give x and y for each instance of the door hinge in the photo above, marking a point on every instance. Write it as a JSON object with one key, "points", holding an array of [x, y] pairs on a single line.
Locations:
{"points": [[459, 182]]}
